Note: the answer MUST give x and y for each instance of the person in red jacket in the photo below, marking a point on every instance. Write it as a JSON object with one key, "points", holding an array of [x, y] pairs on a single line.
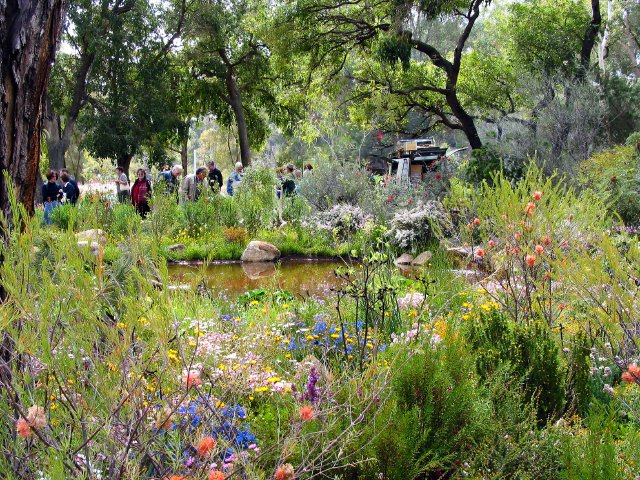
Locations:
{"points": [[141, 192]]}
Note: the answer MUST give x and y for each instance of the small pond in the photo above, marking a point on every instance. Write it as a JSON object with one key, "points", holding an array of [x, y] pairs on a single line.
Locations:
{"points": [[298, 276], [302, 277]]}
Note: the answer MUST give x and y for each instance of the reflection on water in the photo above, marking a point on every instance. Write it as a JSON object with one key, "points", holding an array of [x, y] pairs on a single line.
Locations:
{"points": [[233, 278], [300, 277]]}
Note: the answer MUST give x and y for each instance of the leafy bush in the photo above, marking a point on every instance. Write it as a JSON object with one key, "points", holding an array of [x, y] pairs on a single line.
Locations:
{"points": [[390, 195], [333, 182], [95, 212], [165, 217], [342, 220], [613, 176], [256, 199], [200, 217], [591, 452], [485, 163], [435, 413], [236, 235], [294, 209], [416, 227], [125, 221], [529, 351], [65, 217]]}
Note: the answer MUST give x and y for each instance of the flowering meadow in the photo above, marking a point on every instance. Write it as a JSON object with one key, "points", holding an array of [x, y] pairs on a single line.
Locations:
{"points": [[530, 372]]}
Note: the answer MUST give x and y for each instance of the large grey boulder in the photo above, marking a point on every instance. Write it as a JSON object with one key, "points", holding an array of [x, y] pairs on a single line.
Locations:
{"points": [[422, 259], [258, 251], [404, 259]]}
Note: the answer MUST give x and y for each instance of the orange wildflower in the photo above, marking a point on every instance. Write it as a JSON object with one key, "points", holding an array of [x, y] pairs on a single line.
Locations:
{"points": [[517, 236], [206, 445], [539, 249], [531, 208], [191, 379], [22, 428], [216, 475], [492, 243], [531, 260], [537, 195], [546, 240], [632, 374], [285, 472], [480, 252], [307, 413], [476, 221], [36, 418]]}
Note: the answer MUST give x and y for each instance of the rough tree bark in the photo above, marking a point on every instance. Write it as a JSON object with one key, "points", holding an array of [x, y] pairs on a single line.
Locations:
{"points": [[632, 45], [184, 155], [234, 99], [589, 40], [53, 127], [29, 34]]}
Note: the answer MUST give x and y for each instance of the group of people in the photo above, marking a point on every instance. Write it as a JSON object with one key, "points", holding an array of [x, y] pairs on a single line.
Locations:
{"points": [[60, 187], [168, 182]]}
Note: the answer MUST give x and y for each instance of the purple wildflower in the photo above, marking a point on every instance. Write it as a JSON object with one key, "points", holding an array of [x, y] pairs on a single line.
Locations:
{"points": [[311, 393]]}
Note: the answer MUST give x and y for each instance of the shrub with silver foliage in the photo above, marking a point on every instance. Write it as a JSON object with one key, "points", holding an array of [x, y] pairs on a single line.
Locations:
{"points": [[342, 220], [333, 182], [412, 228]]}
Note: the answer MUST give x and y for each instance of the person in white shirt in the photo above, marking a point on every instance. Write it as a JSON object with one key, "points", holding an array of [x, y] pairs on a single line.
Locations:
{"points": [[122, 185]]}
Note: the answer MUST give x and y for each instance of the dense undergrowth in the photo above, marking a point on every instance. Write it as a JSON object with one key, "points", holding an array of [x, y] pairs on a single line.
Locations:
{"points": [[531, 373]]}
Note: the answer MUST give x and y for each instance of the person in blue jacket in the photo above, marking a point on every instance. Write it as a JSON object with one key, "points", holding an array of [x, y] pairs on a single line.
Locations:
{"points": [[235, 179]]}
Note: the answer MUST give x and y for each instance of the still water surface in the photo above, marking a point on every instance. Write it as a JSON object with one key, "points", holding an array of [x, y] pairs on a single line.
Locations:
{"points": [[300, 277]]}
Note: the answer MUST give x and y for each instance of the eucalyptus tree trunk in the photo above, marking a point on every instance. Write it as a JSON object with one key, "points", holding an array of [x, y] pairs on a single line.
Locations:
{"points": [[29, 34], [124, 161], [184, 154], [235, 101], [55, 145]]}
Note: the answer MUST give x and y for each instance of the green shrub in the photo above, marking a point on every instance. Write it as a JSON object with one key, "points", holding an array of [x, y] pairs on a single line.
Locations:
{"points": [[612, 175], [65, 217], [294, 209], [200, 217], [125, 221], [256, 199], [432, 417], [165, 218], [591, 453], [333, 182], [484, 164], [579, 380], [512, 446], [528, 350]]}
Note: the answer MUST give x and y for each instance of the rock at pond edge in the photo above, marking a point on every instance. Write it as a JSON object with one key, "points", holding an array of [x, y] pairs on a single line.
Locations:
{"points": [[258, 251], [404, 259], [422, 259]]}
